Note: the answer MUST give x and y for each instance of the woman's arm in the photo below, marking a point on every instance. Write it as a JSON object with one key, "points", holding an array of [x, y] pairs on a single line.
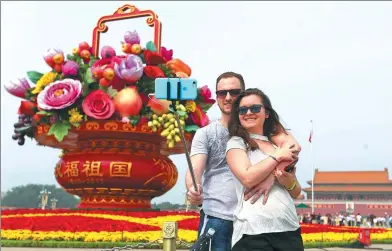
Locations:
{"points": [[290, 182], [250, 175]]}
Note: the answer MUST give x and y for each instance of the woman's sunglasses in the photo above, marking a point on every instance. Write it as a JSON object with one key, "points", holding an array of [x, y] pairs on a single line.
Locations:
{"points": [[233, 93], [242, 110]]}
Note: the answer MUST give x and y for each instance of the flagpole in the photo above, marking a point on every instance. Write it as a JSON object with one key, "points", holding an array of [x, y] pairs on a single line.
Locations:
{"points": [[311, 153]]}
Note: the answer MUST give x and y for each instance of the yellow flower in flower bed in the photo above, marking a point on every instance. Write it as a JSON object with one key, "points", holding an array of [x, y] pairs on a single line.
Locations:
{"points": [[184, 235], [329, 237], [187, 235], [157, 221], [381, 236]]}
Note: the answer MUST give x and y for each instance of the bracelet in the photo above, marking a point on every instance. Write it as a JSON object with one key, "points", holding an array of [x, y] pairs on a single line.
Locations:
{"points": [[292, 187], [272, 157]]}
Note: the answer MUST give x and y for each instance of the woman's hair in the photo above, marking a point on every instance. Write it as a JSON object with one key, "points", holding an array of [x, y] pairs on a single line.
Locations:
{"points": [[271, 127]]}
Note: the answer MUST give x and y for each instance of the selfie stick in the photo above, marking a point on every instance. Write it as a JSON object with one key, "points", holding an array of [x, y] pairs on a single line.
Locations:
{"points": [[188, 158]]}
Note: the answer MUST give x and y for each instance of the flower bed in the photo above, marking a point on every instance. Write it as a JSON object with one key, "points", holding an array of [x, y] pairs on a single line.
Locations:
{"points": [[112, 226]]}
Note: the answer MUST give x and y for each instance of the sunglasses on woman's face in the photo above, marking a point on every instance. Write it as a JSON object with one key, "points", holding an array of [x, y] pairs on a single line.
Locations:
{"points": [[242, 110], [233, 93]]}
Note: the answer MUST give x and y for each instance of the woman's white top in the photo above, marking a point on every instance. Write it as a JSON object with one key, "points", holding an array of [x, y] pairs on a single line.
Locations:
{"points": [[277, 215]]}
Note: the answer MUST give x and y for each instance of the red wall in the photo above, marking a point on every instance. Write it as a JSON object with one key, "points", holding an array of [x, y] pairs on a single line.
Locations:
{"points": [[363, 209]]}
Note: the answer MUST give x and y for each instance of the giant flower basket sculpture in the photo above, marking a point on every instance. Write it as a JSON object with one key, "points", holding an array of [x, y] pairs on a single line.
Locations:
{"points": [[115, 136]]}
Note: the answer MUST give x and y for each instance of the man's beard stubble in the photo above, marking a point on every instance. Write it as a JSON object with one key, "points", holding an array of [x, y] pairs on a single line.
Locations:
{"points": [[223, 111]]}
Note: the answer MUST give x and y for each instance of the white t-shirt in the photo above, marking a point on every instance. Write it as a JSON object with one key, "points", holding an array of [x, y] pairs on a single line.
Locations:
{"points": [[277, 215]]}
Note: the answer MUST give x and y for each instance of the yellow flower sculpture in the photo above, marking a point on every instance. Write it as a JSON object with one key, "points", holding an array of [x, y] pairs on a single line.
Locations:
{"points": [[190, 106], [75, 116], [46, 79]]}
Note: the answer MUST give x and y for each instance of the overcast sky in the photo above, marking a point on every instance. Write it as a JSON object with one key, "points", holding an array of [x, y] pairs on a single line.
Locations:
{"points": [[326, 62]]}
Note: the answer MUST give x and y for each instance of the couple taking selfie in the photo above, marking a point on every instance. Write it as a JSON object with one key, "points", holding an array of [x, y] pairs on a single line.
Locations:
{"points": [[243, 164]]}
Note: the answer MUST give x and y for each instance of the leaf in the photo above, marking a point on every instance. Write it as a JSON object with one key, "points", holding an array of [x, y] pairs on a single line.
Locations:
{"points": [[58, 77], [76, 124], [34, 76], [59, 130], [86, 89], [78, 59], [92, 61], [141, 55], [29, 95], [88, 77], [45, 113], [134, 120], [71, 57], [84, 67], [151, 46], [191, 128], [111, 91], [181, 113]]}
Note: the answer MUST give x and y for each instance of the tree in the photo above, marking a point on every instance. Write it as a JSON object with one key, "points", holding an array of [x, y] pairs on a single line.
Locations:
{"points": [[167, 206], [28, 196]]}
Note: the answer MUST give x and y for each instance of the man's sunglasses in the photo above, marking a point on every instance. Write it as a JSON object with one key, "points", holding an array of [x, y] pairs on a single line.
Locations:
{"points": [[233, 93], [242, 110]]}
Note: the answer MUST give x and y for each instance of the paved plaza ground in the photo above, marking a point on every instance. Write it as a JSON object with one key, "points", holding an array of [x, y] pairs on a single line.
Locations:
{"points": [[373, 247]]}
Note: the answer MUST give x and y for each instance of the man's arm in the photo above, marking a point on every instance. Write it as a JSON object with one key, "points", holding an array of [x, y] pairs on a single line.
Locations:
{"points": [[285, 138], [198, 163]]}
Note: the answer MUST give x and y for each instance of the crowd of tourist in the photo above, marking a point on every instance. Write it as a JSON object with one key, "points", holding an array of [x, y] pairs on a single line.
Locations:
{"points": [[345, 219]]}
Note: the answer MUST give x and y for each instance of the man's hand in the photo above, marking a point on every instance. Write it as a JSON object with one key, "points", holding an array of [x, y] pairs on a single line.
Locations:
{"points": [[263, 187], [195, 197]]}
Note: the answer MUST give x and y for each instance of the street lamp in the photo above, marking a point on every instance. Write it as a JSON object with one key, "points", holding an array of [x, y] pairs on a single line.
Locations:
{"points": [[54, 201], [44, 198]]}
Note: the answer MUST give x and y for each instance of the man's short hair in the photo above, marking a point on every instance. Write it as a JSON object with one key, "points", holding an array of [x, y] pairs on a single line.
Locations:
{"points": [[230, 74]]}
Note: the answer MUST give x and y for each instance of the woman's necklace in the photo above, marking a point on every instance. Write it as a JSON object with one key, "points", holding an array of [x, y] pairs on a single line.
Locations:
{"points": [[258, 137]]}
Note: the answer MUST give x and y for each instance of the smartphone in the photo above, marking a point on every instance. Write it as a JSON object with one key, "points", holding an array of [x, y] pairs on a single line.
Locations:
{"points": [[176, 88], [290, 167]]}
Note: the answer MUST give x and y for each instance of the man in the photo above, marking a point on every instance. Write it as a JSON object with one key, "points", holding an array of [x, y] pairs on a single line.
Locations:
{"points": [[358, 218], [208, 156]]}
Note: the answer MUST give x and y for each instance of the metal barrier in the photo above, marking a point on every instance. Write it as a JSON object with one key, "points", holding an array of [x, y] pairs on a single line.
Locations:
{"points": [[168, 242]]}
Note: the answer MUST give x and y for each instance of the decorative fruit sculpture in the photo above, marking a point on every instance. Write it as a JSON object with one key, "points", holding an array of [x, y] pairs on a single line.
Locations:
{"points": [[169, 125], [128, 102]]}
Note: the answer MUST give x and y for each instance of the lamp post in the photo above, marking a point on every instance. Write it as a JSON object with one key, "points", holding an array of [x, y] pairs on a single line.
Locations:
{"points": [[44, 198], [54, 201]]}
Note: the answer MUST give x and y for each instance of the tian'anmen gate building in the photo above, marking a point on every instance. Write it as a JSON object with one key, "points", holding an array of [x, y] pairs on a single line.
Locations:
{"points": [[364, 192]]}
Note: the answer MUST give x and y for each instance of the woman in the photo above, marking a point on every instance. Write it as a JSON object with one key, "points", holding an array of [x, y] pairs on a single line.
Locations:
{"points": [[252, 157]]}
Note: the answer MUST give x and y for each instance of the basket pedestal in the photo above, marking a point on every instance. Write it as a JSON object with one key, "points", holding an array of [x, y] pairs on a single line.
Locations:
{"points": [[111, 164]]}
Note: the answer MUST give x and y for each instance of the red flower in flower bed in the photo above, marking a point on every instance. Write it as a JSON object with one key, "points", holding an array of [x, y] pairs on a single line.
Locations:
{"points": [[316, 228], [68, 211], [189, 224], [72, 223]]}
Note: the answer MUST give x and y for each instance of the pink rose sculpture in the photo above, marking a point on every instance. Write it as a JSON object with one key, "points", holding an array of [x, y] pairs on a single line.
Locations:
{"points": [[59, 94]]}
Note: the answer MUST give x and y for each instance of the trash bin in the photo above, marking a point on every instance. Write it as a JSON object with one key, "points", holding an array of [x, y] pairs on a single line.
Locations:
{"points": [[364, 236]]}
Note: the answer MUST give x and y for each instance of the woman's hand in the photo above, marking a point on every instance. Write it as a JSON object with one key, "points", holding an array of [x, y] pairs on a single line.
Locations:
{"points": [[286, 153], [286, 179]]}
